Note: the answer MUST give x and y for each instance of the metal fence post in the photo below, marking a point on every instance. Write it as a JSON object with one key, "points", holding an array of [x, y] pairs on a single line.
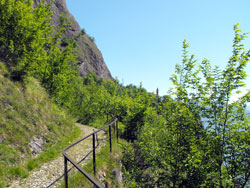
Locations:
{"points": [[117, 135], [66, 172], [94, 162], [110, 141]]}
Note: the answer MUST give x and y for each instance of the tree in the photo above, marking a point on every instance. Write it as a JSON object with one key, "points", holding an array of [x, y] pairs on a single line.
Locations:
{"points": [[23, 34], [172, 146], [30, 45], [207, 91]]}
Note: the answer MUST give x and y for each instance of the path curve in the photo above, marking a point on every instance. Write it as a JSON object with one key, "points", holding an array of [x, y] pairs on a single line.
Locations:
{"points": [[49, 172]]}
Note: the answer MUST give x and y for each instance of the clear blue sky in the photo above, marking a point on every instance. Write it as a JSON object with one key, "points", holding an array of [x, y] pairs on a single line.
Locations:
{"points": [[141, 40]]}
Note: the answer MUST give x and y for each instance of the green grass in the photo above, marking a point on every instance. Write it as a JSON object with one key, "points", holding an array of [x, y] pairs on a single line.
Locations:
{"points": [[99, 122], [105, 163], [28, 112], [53, 152], [18, 171]]}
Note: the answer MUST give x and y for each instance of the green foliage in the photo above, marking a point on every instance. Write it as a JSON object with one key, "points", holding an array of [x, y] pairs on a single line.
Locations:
{"points": [[165, 154], [106, 162], [91, 99], [201, 138], [207, 91], [132, 165], [27, 112], [53, 151], [30, 45], [22, 35]]}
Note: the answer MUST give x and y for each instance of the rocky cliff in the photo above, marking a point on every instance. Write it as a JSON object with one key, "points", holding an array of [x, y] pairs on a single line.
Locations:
{"points": [[89, 56]]}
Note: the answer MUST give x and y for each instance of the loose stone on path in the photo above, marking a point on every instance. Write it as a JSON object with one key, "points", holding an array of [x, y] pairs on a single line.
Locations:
{"points": [[51, 171]]}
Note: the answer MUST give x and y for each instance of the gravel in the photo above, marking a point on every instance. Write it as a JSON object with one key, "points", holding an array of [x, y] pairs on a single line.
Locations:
{"points": [[51, 171]]}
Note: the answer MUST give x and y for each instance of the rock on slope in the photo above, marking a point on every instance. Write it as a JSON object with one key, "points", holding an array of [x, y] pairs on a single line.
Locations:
{"points": [[89, 57]]}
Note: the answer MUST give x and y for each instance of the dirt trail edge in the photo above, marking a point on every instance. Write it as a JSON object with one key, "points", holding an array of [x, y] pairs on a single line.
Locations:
{"points": [[51, 171]]}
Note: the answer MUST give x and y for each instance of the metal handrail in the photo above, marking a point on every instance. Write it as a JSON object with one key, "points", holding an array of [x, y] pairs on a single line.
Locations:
{"points": [[76, 165]]}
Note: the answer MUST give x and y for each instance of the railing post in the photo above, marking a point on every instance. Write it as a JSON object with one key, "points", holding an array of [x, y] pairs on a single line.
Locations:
{"points": [[117, 135], [110, 141], [94, 162], [66, 172]]}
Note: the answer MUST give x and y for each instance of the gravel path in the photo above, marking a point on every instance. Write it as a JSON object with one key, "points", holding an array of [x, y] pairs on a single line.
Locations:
{"points": [[51, 171]]}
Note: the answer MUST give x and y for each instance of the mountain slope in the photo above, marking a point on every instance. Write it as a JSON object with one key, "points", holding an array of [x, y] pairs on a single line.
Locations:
{"points": [[29, 124], [89, 56]]}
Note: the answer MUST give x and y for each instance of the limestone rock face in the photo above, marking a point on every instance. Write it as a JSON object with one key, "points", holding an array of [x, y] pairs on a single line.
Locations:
{"points": [[89, 56]]}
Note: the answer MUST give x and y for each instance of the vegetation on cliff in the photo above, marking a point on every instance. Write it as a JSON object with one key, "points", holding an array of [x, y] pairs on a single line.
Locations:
{"points": [[29, 117], [194, 137]]}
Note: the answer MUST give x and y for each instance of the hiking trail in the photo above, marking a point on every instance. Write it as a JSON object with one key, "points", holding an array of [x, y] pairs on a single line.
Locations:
{"points": [[49, 172]]}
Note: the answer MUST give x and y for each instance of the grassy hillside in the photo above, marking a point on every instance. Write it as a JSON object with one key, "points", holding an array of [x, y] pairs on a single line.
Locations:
{"points": [[28, 115]]}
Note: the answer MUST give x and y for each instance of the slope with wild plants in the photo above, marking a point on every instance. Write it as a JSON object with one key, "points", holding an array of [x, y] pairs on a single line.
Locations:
{"points": [[50, 174], [30, 125], [38, 77], [171, 145]]}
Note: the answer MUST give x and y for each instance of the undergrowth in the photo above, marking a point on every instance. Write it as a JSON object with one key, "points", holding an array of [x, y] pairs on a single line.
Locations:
{"points": [[27, 112], [106, 163]]}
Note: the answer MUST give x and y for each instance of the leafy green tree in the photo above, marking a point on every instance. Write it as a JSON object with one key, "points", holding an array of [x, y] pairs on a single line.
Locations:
{"points": [[23, 34], [30, 45], [172, 146], [200, 139], [208, 91]]}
